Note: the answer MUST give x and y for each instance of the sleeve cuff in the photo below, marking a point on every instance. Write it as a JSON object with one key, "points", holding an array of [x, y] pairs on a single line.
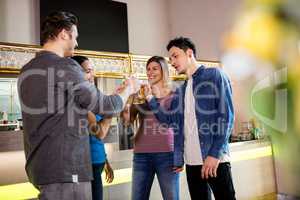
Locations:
{"points": [[149, 97]]}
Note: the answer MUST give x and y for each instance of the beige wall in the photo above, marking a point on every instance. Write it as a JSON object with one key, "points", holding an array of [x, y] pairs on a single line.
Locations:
{"points": [[148, 26], [2, 20], [19, 21], [151, 23], [204, 21]]}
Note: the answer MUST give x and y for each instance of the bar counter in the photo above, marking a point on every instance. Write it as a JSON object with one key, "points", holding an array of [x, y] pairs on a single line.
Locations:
{"points": [[252, 170]]}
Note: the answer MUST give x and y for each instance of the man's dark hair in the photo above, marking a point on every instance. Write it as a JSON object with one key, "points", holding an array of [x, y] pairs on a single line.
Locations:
{"points": [[55, 23], [182, 43], [79, 59]]}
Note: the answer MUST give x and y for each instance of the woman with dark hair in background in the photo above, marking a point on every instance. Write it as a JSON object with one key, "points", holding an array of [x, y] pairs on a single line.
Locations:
{"points": [[98, 128]]}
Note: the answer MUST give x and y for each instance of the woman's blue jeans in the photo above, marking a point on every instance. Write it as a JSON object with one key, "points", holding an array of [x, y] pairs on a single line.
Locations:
{"points": [[145, 166]]}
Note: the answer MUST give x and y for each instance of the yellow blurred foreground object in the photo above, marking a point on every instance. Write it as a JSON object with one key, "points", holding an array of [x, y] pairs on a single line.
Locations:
{"points": [[259, 32]]}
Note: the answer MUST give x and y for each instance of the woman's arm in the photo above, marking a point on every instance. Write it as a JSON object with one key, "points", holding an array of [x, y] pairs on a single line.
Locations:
{"points": [[103, 127], [99, 129]]}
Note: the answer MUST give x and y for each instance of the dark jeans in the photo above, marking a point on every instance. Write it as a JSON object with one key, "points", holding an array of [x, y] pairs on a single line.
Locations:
{"points": [[97, 187], [222, 185]]}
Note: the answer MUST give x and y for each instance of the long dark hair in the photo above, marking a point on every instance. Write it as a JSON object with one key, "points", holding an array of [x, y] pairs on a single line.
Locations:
{"points": [[79, 59]]}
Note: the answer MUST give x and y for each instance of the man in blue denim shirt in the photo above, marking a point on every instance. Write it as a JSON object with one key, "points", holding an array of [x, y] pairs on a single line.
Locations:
{"points": [[202, 116]]}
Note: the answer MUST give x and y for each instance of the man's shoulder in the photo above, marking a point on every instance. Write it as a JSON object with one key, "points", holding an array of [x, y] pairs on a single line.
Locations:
{"points": [[69, 62], [211, 71], [211, 74], [44, 60]]}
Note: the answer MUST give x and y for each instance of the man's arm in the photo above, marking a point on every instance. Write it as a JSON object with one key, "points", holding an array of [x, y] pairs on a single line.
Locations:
{"points": [[90, 98], [164, 115], [87, 96], [173, 117], [225, 114]]}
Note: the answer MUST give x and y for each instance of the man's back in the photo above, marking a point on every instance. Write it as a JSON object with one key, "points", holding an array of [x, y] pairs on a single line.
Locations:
{"points": [[56, 149]]}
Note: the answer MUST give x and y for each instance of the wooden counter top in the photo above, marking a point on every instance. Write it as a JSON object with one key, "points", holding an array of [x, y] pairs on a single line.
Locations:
{"points": [[11, 141]]}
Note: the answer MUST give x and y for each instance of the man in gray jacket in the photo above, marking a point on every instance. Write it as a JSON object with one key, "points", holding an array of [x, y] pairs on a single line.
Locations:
{"points": [[55, 99]]}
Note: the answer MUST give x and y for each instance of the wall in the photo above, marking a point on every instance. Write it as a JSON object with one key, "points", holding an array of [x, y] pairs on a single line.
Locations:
{"points": [[204, 21], [151, 23], [148, 26], [2, 20], [19, 21]]}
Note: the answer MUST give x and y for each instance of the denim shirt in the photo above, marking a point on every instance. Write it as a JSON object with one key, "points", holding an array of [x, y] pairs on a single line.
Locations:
{"points": [[214, 113]]}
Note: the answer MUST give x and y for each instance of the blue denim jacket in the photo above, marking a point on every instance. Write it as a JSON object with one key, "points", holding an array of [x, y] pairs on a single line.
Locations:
{"points": [[214, 113]]}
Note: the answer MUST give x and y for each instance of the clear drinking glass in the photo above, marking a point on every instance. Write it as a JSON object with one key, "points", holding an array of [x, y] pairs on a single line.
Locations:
{"points": [[140, 97]]}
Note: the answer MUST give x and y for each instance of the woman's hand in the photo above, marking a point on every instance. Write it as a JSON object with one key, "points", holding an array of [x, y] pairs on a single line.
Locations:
{"points": [[148, 92], [177, 169], [109, 172]]}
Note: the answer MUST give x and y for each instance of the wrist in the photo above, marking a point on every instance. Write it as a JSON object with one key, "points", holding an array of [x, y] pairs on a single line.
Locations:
{"points": [[149, 97]]}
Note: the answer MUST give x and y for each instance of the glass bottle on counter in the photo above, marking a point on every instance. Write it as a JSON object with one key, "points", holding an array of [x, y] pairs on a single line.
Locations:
{"points": [[256, 131], [4, 117]]}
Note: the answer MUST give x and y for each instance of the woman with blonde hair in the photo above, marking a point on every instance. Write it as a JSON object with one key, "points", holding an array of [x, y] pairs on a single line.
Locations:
{"points": [[153, 141]]}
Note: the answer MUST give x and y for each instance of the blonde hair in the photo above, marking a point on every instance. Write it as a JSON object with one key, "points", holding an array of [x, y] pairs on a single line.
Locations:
{"points": [[164, 68]]}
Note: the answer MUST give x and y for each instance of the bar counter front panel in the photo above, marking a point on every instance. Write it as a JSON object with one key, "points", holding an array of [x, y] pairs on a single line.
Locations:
{"points": [[252, 169]]}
